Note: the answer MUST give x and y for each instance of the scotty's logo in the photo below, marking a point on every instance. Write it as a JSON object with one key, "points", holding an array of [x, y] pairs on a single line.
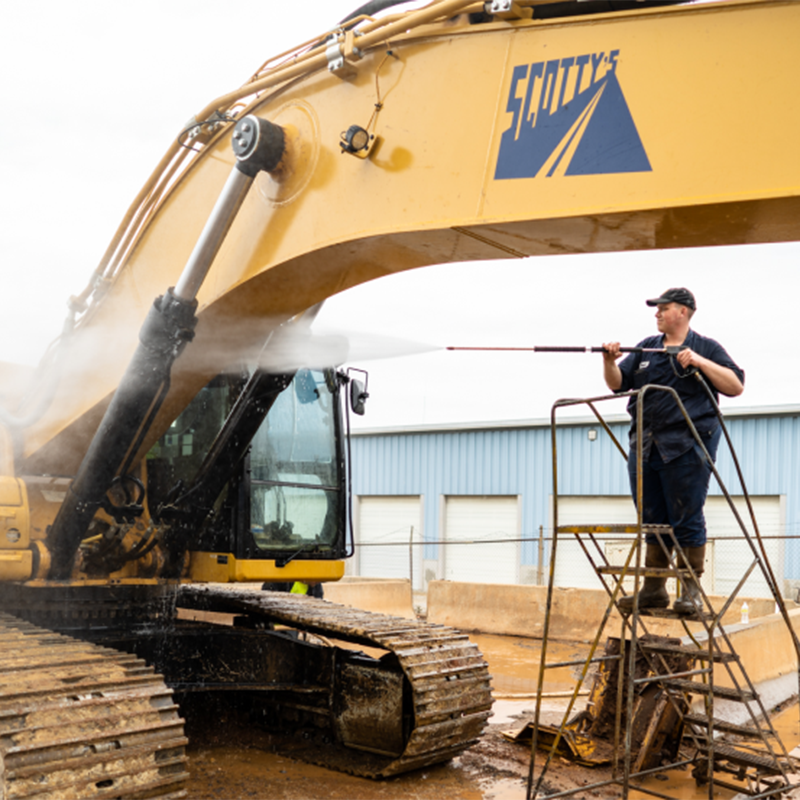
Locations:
{"points": [[569, 117]]}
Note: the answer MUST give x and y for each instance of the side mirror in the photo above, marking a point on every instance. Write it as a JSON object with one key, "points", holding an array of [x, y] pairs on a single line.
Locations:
{"points": [[358, 397], [358, 391]]}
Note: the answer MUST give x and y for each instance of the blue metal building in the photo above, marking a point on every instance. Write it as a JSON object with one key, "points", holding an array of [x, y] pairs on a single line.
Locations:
{"points": [[475, 501]]}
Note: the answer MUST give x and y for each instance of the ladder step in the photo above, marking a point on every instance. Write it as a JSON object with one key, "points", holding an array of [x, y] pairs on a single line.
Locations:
{"points": [[746, 759], [693, 652], [695, 687], [664, 530], [720, 725], [647, 572], [597, 529], [668, 613]]}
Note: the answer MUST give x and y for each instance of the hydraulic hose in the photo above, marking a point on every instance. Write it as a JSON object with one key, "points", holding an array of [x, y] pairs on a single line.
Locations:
{"points": [[581, 8], [372, 8]]}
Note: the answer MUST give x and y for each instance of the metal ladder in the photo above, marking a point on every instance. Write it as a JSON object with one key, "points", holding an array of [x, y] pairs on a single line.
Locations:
{"points": [[757, 758]]}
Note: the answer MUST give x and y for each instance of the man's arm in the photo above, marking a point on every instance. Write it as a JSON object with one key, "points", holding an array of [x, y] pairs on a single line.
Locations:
{"points": [[724, 379], [611, 372]]}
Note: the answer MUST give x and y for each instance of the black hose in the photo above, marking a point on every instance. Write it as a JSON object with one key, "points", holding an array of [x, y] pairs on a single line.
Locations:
{"points": [[570, 8], [372, 8], [566, 8]]}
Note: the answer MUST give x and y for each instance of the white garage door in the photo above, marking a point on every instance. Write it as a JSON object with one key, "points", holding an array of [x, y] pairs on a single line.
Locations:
{"points": [[726, 559], [733, 556], [478, 519], [384, 529], [572, 565]]}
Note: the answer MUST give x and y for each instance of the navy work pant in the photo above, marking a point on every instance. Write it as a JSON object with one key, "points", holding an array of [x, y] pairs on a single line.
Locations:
{"points": [[675, 493]]}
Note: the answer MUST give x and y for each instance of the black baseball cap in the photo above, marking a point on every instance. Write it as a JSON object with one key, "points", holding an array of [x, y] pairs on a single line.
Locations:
{"points": [[681, 296]]}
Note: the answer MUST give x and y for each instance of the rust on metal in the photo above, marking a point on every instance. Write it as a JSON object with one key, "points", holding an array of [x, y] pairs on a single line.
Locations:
{"points": [[589, 737]]}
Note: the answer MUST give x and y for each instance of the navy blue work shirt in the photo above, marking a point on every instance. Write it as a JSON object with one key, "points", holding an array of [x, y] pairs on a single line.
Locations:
{"points": [[663, 424]]}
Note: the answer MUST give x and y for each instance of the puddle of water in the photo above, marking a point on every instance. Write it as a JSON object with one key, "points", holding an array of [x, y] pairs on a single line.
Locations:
{"points": [[223, 773], [514, 663], [679, 785], [787, 726]]}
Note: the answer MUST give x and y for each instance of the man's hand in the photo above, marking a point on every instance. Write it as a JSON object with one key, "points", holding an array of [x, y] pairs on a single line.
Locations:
{"points": [[611, 351], [611, 371], [724, 380], [688, 358]]}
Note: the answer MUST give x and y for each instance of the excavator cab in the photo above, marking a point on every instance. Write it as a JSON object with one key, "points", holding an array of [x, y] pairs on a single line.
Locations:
{"points": [[284, 500]]}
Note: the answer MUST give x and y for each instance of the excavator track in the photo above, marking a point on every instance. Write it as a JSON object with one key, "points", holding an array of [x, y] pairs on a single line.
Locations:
{"points": [[80, 721], [448, 691]]}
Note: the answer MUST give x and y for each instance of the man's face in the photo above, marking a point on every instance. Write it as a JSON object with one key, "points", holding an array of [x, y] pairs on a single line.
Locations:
{"points": [[669, 317]]}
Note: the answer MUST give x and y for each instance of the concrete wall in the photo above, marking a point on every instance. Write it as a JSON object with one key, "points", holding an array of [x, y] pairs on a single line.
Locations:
{"points": [[769, 658], [519, 610], [380, 596], [765, 645]]}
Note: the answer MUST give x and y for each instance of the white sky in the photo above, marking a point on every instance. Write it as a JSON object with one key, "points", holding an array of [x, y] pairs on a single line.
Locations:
{"points": [[94, 91]]}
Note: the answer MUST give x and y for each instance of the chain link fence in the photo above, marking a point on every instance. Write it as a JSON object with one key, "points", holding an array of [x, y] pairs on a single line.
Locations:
{"points": [[401, 553]]}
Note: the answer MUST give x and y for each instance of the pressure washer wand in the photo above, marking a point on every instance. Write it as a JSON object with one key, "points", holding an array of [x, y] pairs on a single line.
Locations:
{"points": [[671, 350]]}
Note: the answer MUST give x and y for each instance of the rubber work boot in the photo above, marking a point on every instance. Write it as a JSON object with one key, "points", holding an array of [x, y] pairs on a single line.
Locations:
{"points": [[653, 593], [691, 601]]}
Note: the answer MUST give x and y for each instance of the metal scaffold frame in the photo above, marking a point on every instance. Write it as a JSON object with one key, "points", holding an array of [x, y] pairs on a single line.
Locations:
{"points": [[762, 771]]}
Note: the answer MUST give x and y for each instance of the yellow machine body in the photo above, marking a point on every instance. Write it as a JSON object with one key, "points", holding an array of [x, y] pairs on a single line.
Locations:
{"points": [[225, 568], [661, 127], [706, 90]]}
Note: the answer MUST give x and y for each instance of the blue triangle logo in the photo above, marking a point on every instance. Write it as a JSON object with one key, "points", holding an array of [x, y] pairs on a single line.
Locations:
{"points": [[592, 134], [610, 142]]}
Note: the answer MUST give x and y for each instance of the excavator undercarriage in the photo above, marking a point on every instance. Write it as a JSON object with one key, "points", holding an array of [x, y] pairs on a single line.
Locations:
{"points": [[419, 695]]}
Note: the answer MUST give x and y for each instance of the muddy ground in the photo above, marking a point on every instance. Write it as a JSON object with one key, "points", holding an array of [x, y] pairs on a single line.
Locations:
{"points": [[494, 769], [269, 768], [230, 765]]}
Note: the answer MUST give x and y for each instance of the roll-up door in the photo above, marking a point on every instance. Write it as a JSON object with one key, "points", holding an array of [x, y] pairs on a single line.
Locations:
{"points": [[384, 532], [733, 556], [572, 565], [469, 522]]}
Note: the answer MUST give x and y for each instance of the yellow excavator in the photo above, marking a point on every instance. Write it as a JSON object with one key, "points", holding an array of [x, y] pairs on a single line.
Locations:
{"points": [[170, 443]]}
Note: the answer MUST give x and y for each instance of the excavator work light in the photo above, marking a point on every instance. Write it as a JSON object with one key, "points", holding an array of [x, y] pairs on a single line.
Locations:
{"points": [[355, 140]]}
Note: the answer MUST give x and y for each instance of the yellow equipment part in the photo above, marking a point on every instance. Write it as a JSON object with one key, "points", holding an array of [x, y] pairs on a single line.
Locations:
{"points": [[14, 516], [16, 565], [225, 568], [680, 138]]}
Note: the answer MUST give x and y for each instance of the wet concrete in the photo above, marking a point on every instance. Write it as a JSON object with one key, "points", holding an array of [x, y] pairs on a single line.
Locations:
{"points": [[495, 769]]}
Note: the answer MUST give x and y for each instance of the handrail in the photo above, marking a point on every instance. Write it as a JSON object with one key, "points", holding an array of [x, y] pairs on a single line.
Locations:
{"points": [[760, 559]]}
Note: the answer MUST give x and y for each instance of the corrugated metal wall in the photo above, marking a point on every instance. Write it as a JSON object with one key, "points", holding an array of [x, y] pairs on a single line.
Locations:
{"points": [[518, 461]]}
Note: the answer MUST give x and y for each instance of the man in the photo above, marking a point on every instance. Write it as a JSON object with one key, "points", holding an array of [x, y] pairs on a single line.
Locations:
{"points": [[675, 473]]}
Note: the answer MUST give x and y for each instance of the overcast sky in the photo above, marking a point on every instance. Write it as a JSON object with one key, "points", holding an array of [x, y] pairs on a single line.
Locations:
{"points": [[93, 93]]}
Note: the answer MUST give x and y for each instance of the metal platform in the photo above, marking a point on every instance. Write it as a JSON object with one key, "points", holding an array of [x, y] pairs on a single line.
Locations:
{"points": [[643, 705]]}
